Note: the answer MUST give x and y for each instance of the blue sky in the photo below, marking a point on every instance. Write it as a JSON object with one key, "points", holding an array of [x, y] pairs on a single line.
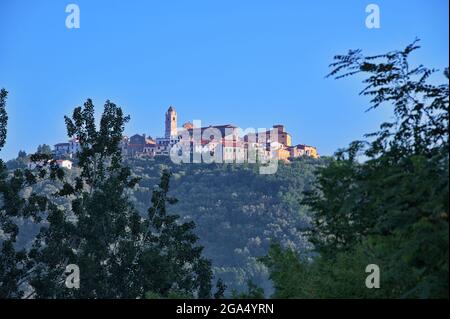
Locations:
{"points": [[250, 63]]}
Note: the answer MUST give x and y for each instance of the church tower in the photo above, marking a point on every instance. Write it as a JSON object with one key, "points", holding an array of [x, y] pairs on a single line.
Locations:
{"points": [[171, 122]]}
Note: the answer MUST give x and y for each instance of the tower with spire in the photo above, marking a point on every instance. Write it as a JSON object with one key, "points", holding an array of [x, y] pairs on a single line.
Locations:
{"points": [[171, 123]]}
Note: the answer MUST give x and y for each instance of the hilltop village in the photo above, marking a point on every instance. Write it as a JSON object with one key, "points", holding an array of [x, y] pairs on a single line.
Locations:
{"points": [[234, 147]]}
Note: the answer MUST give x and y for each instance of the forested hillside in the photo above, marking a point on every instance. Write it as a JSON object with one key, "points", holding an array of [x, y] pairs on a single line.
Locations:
{"points": [[236, 210], [389, 211], [149, 228]]}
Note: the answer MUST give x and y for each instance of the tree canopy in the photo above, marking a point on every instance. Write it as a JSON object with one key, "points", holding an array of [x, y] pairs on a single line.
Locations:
{"points": [[383, 200]]}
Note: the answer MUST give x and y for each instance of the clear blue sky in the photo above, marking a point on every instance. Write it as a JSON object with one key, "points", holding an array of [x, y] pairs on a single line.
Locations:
{"points": [[250, 63]]}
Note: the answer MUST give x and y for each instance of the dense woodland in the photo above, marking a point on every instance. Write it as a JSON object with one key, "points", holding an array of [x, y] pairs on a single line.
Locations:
{"points": [[237, 211], [148, 228]]}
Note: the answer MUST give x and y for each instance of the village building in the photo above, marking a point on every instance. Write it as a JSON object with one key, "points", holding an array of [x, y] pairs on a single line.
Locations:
{"points": [[61, 150], [140, 145], [266, 137], [303, 150], [149, 150], [74, 146], [171, 138], [171, 123], [234, 148], [136, 144], [66, 150], [60, 163], [234, 151], [123, 145], [64, 164]]}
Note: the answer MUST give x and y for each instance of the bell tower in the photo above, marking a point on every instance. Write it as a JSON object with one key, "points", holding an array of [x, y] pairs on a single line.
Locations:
{"points": [[171, 122]]}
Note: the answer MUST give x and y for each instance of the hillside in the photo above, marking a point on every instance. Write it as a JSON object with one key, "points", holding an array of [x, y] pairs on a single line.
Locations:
{"points": [[236, 210]]}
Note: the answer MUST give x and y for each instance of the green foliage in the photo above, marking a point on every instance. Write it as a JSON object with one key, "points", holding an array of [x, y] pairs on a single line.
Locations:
{"points": [[174, 258], [15, 264], [220, 289], [295, 276], [287, 272], [170, 295], [87, 219], [236, 210], [391, 209], [3, 117], [253, 292], [98, 232], [43, 149]]}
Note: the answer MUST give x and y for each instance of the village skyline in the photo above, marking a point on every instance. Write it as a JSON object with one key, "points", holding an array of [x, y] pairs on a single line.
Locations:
{"points": [[219, 62], [220, 143]]}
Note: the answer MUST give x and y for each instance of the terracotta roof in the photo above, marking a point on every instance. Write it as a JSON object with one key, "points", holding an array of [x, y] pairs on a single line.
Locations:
{"points": [[302, 146], [221, 128]]}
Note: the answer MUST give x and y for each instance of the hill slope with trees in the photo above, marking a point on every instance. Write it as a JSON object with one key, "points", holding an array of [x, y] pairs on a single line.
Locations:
{"points": [[237, 211]]}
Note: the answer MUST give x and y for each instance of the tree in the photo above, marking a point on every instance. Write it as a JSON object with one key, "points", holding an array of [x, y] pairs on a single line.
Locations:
{"points": [[15, 267], [3, 117], [177, 264], [390, 209], [99, 233], [10, 260], [232, 205], [343, 276], [220, 289], [44, 149], [119, 253], [253, 292], [287, 272]]}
